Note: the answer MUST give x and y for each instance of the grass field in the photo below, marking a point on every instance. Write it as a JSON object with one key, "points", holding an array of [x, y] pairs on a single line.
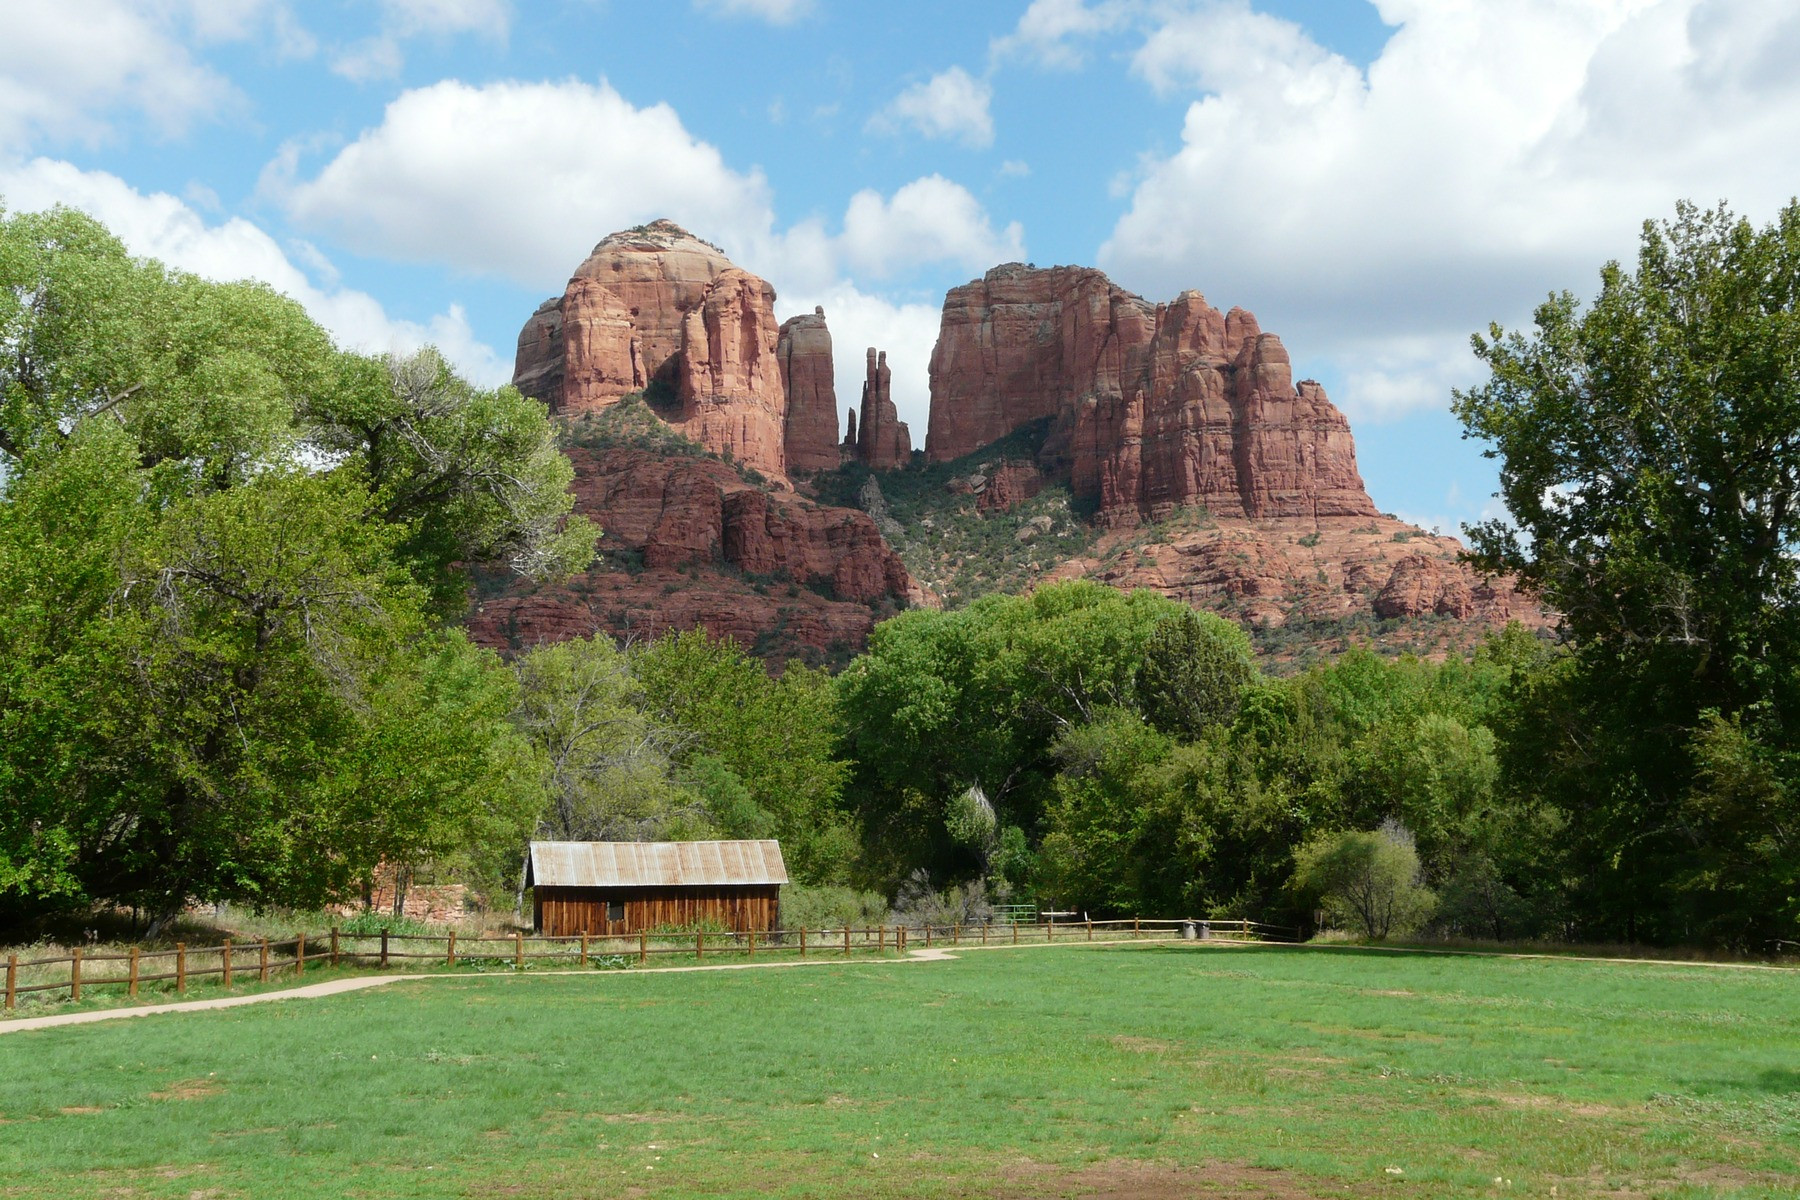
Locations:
{"points": [[1153, 1071]]}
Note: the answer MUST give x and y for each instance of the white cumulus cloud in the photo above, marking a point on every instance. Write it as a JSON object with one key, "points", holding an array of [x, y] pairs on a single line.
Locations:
{"points": [[1492, 153], [928, 220], [1049, 31], [952, 104], [519, 179], [382, 54], [158, 225], [64, 78]]}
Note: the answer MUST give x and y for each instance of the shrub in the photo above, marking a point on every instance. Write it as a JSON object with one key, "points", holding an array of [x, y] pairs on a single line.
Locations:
{"points": [[828, 907], [1367, 882], [917, 904]]}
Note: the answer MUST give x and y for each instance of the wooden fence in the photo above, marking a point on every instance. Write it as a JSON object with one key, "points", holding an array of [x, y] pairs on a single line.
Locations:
{"points": [[235, 962]]}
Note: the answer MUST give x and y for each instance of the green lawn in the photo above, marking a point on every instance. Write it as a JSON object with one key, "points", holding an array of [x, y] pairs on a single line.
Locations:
{"points": [[1130, 1071]]}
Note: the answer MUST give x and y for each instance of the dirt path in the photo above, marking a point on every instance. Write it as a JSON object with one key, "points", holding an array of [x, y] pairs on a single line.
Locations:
{"points": [[922, 955], [329, 988], [337, 986]]}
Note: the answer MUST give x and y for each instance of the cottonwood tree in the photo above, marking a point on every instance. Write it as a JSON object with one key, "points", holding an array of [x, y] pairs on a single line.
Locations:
{"points": [[1649, 449], [224, 671]]}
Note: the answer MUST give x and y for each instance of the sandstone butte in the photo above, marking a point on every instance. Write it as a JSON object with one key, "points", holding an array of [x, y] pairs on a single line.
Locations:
{"points": [[1155, 413], [1153, 407], [655, 310], [1158, 409]]}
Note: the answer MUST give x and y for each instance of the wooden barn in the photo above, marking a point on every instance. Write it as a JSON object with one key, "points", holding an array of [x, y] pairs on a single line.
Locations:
{"points": [[623, 887]]}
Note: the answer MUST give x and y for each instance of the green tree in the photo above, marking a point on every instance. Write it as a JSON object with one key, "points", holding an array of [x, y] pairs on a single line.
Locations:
{"points": [[979, 696], [1196, 667], [1096, 851], [1650, 464], [1367, 881], [606, 767], [223, 667], [764, 750]]}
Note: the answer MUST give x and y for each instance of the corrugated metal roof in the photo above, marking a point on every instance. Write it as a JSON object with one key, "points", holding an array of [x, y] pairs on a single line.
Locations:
{"points": [[655, 864]]}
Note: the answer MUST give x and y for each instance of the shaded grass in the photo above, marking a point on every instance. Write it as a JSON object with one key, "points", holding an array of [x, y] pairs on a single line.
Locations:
{"points": [[1005, 1070]]}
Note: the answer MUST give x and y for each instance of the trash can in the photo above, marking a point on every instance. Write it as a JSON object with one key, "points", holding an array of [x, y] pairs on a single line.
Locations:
{"points": [[1187, 931]]}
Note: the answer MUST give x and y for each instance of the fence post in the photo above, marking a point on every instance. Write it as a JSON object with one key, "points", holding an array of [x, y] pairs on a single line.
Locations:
{"points": [[334, 945], [1134, 926], [956, 934], [699, 945], [1015, 929], [225, 965], [262, 966], [384, 948], [12, 978], [131, 983], [803, 941], [518, 950], [1050, 930], [180, 967], [450, 954], [75, 975], [584, 947], [643, 947], [846, 941], [984, 929], [751, 953], [299, 954], [1090, 929], [928, 933]]}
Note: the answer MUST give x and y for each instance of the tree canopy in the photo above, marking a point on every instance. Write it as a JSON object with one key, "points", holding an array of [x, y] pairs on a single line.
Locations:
{"points": [[226, 552], [1649, 446]]}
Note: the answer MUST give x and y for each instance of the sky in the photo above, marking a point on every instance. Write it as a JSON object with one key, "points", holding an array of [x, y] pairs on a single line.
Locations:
{"points": [[1376, 180]]}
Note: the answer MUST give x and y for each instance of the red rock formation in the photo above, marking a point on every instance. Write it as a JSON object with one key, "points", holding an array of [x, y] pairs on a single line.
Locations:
{"points": [[655, 307], [804, 352], [773, 570], [1272, 571], [1421, 586], [885, 442], [1154, 407], [1020, 344], [1010, 485]]}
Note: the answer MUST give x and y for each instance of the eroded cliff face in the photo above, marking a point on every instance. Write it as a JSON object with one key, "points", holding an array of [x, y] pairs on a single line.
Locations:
{"points": [[884, 442], [657, 309], [690, 544], [804, 352], [1153, 407]]}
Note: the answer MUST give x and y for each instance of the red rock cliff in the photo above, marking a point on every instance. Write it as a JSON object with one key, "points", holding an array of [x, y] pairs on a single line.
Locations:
{"points": [[689, 543], [656, 307], [804, 352], [1154, 406], [884, 442]]}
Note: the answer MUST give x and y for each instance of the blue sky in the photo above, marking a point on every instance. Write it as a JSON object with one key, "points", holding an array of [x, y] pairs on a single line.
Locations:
{"points": [[1374, 180]]}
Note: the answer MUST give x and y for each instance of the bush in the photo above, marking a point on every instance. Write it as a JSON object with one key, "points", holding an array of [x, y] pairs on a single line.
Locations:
{"points": [[918, 905], [370, 922], [1367, 882], [829, 907]]}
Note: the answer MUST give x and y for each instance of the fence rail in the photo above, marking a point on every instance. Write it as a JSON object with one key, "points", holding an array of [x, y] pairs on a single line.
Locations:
{"points": [[233, 962]]}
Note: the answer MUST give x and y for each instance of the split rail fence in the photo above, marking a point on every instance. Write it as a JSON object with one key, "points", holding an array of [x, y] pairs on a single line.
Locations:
{"points": [[245, 961]]}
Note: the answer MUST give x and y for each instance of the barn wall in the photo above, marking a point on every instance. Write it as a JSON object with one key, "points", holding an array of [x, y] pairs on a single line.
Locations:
{"points": [[564, 912]]}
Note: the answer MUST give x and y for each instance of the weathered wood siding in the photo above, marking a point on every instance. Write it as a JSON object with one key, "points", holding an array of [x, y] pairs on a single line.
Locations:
{"points": [[566, 911]]}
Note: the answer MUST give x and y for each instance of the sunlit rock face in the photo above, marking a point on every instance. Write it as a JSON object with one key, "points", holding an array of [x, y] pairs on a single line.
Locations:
{"points": [[1153, 406]]}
